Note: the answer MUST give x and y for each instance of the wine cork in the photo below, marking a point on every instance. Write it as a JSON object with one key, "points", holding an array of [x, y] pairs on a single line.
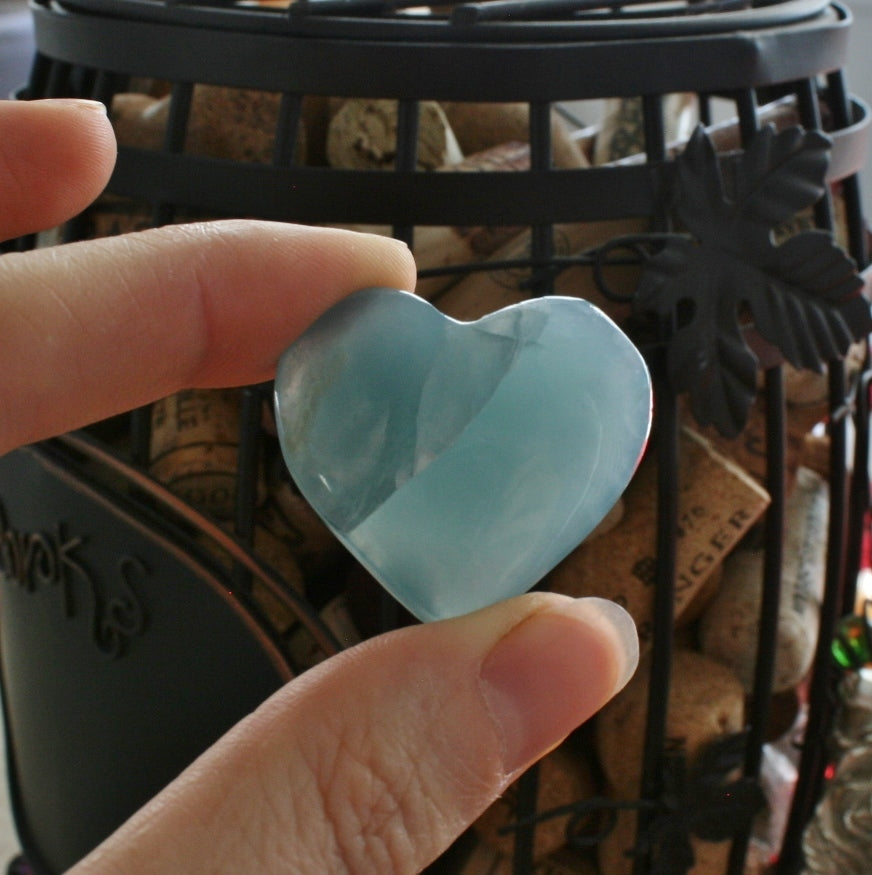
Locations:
{"points": [[139, 119], [729, 629], [480, 126], [622, 130], [609, 521], [194, 447], [701, 600], [784, 711], [621, 133], [289, 517], [726, 134], [706, 703], [362, 135], [482, 859], [816, 454], [512, 155], [277, 554], [444, 246], [281, 617], [748, 448], [565, 776], [717, 504], [233, 123], [485, 291], [566, 861], [305, 651], [807, 390], [236, 123]]}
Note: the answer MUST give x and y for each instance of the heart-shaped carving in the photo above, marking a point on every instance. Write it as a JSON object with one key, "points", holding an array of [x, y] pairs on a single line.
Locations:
{"points": [[460, 461]]}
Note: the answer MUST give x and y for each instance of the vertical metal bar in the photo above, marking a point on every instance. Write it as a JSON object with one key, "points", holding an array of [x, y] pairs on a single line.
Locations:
{"points": [[839, 104], [840, 107], [810, 116], [746, 109], [525, 835], [764, 669], [705, 109], [181, 95], [105, 87], [541, 236], [822, 687], [654, 127], [844, 536], [58, 80], [21, 244], [388, 611], [406, 161], [287, 130], [83, 80], [408, 114], [776, 443], [858, 497], [140, 436], [40, 71], [665, 435]]}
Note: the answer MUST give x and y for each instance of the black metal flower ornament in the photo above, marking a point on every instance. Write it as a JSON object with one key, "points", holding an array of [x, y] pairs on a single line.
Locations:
{"points": [[708, 801], [803, 295]]}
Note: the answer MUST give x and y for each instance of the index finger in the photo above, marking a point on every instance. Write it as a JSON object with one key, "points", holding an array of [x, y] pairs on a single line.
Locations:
{"points": [[96, 328], [55, 158]]}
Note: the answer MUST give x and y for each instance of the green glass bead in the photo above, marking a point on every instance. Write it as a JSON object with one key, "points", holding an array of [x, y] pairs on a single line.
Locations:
{"points": [[851, 647]]}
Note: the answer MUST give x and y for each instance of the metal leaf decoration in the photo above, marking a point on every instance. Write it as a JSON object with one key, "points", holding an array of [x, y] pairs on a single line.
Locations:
{"points": [[803, 295], [705, 800]]}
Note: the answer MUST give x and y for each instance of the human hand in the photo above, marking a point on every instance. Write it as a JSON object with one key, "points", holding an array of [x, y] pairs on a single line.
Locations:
{"points": [[377, 759]]}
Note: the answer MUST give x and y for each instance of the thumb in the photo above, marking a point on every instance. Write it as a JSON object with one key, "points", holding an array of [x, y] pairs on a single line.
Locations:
{"points": [[376, 760]]}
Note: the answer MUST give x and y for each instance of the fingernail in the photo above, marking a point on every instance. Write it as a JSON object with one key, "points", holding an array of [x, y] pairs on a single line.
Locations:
{"points": [[78, 103], [553, 671]]}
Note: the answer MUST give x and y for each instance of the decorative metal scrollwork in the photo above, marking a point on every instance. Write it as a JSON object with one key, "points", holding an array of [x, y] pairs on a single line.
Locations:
{"points": [[706, 800]]}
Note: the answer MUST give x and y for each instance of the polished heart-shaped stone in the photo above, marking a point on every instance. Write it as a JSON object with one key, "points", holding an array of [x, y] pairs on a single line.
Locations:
{"points": [[460, 461]]}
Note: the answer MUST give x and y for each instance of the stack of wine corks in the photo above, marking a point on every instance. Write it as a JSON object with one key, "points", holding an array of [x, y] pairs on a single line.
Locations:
{"points": [[195, 446], [565, 775], [722, 484], [718, 503]]}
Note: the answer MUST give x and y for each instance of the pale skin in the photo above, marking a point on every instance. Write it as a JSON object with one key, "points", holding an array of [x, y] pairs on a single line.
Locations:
{"points": [[376, 760]]}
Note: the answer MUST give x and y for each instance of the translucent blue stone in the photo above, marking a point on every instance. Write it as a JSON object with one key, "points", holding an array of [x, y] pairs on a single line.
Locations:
{"points": [[460, 461]]}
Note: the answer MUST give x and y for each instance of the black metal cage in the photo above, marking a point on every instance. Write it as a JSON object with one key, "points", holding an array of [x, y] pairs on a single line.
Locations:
{"points": [[777, 126]]}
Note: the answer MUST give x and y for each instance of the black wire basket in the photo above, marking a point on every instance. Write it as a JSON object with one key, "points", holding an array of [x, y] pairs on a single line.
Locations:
{"points": [[732, 252]]}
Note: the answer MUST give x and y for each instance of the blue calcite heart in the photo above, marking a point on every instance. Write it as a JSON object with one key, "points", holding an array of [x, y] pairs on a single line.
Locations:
{"points": [[460, 461]]}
